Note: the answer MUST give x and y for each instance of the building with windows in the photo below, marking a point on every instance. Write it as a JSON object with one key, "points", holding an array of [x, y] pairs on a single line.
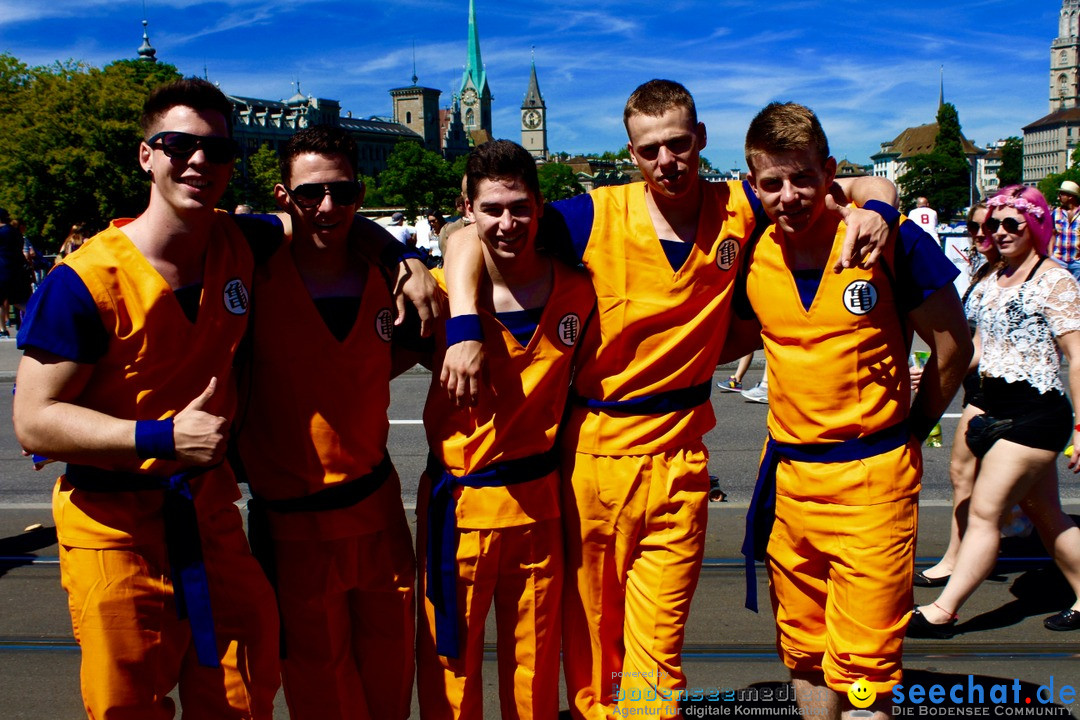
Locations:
{"points": [[1049, 142]]}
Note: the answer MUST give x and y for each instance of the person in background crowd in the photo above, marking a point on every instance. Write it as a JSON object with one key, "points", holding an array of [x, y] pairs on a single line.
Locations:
{"points": [[925, 217], [1066, 242], [14, 280], [962, 464], [1026, 313], [74, 240]]}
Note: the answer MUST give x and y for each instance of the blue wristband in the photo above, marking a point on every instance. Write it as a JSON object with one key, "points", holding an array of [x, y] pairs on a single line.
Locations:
{"points": [[888, 213], [462, 328], [154, 439], [395, 251]]}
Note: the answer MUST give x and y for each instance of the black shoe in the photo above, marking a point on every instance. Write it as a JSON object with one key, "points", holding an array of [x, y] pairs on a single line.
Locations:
{"points": [[920, 580], [920, 627], [1064, 620]]}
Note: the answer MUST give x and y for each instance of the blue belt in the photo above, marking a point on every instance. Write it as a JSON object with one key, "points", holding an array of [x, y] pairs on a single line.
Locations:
{"points": [[191, 588], [762, 510], [655, 404], [442, 539]]}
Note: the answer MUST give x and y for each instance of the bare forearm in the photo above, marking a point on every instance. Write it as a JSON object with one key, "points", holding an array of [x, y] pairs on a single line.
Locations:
{"points": [[463, 267], [863, 189], [70, 433]]}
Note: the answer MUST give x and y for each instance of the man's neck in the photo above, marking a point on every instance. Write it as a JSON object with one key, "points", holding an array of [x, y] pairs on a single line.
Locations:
{"points": [[675, 218], [328, 271], [520, 283], [175, 244], [811, 248]]}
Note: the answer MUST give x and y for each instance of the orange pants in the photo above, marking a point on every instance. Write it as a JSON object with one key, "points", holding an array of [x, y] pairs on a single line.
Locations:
{"points": [[635, 536], [840, 579], [347, 610], [135, 650], [520, 569]]}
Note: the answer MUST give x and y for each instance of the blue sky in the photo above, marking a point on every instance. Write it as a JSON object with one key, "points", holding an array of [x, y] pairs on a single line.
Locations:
{"points": [[869, 69]]}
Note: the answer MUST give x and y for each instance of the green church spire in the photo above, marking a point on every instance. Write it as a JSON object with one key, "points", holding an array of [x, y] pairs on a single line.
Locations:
{"points": [[475, 66]]}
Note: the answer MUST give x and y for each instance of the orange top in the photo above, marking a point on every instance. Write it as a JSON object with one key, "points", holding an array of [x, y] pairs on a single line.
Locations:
{"points": [[157, 361], [317, 409], [659, 329], [520, 416], [837, 371]]}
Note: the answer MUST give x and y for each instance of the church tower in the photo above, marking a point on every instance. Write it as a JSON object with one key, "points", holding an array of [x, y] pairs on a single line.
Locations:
{"points": [[474, 92], [1065, 59], [534, 119], [417, 108]]}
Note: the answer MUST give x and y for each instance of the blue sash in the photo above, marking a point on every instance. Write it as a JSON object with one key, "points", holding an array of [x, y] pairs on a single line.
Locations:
{"points": [[762, 511], [442, 539], [655, 404], [191, 588]]}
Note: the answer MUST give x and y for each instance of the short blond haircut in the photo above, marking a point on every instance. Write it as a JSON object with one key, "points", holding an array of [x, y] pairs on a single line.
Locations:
{"points": [[785, 127], [655, 98]]}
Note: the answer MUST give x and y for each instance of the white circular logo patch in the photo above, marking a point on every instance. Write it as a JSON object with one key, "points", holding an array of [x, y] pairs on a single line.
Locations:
{"points": [[384, 324], [727, 254], [860, 297], [569, 329], [236, 297]]}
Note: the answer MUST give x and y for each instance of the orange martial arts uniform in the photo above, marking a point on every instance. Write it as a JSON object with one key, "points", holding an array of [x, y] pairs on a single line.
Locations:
{"points": [[841, 551], [114, 559], [313, 444], [635, 473], [509, 536]]}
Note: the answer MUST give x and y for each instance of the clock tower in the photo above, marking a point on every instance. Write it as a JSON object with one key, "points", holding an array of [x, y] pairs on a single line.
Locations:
{"points": [[474, 93], [534, 119]]}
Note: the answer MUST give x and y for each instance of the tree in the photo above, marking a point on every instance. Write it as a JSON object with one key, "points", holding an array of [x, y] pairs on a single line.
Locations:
{"points": [[1049, 185], [263, 173], [68, 150], [1011, 171], [943, 175], [418, 179], [558, 181]]}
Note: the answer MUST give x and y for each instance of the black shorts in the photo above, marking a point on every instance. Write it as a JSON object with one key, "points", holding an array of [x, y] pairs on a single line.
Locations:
{"points": [[972, 390], [1040, 420]]}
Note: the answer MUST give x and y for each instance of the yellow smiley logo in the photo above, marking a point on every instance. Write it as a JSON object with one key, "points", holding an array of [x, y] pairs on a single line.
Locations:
{"points": [[860, 694]]}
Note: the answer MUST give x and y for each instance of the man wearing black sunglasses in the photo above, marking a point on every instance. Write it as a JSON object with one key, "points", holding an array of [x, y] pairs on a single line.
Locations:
{"points": [[339, 547], [128, 378]]}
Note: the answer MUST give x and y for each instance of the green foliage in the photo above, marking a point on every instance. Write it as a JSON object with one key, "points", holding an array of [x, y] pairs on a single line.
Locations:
{"points": [[71, 134], [1011, 171], [558, 182], [417, 179], [942, 176], [373, 196], [263, 173]]}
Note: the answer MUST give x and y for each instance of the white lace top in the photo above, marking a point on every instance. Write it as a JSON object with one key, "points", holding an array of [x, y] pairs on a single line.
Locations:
{"points": [[1017, 326]]}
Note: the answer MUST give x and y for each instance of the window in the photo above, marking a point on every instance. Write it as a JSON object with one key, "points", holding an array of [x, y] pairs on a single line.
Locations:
{"points": [[408, 118]]}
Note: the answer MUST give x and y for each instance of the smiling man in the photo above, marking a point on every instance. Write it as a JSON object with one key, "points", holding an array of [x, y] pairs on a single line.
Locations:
{"points": [[313, 445], [842, 464], [488, 508], [127, 377]]}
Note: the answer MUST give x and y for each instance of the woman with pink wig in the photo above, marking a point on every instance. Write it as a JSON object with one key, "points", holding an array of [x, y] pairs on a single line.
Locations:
{"points": [[1025, 313]]}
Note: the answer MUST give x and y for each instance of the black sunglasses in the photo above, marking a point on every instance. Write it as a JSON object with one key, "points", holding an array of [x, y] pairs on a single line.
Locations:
{"points": [[973, 229], [182, 145], [309, 195], [1011, 225]]}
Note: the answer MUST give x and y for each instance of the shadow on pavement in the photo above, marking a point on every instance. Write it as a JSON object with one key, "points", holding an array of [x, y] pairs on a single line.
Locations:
{"points": [[18, 550]]}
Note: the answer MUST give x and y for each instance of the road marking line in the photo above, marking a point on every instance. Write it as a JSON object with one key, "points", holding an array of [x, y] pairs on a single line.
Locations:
{"points": [[421, 422]]}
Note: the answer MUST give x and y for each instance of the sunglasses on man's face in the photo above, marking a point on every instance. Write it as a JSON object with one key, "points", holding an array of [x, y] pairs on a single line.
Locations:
{"points": [[1011, 225], [342, 192], [182, 145]]}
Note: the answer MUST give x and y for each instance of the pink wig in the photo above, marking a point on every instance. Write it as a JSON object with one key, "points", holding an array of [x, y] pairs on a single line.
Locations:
{"points": [[1032, 205]]}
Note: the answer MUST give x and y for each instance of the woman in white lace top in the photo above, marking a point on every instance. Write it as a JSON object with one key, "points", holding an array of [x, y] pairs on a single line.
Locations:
{"points": [[1027, 314]]}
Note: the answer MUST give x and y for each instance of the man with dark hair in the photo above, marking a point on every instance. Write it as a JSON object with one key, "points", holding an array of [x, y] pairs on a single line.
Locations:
{"points": [[488, 529], [339, 552], [842, 464], [127, 376], [663, 256]]}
